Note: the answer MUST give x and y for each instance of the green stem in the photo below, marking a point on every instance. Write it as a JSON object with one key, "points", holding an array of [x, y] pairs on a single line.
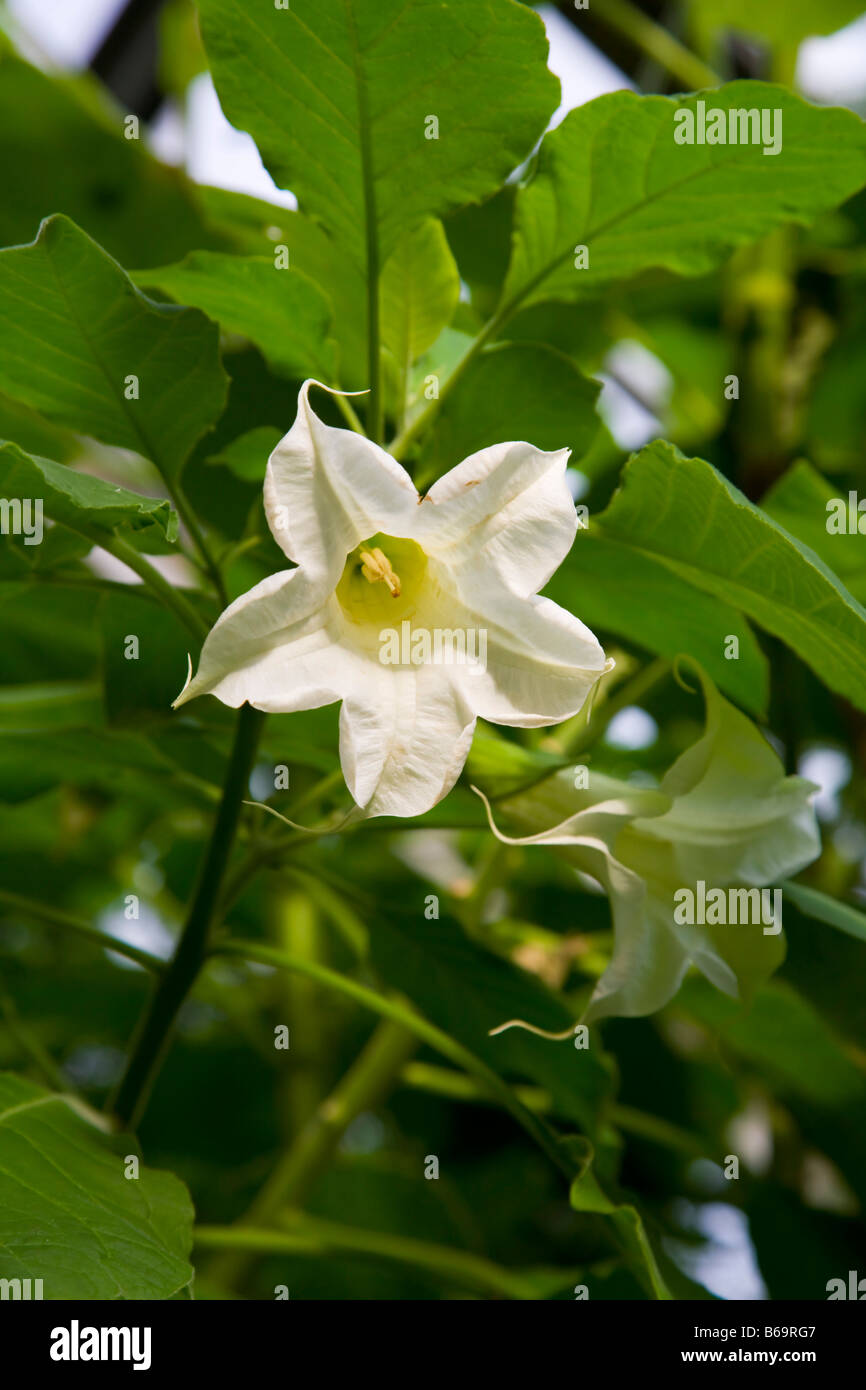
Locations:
{"points": [[307, 1235], [187, 516], [812, 903], [455, 1085], [656, 42], [375, 413], [406, 1016], [54, 918], [274, 847], [169, 596], [363, 1087], [154, 1033], [401, 443]]}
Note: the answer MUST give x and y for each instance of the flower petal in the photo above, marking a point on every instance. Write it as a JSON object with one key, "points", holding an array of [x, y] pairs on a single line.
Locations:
{"points": [[648, 962], [404, 737], [328, 489], [735, 815], [275, 647], [507, 507], [541, 661]]}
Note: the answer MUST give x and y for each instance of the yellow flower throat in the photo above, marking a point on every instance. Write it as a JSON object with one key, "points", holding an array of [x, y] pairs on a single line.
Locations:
{"points": [[382, 581]]}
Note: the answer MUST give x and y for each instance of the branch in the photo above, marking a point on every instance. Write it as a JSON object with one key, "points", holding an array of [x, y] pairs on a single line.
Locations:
{"points": [[155, 1029]]}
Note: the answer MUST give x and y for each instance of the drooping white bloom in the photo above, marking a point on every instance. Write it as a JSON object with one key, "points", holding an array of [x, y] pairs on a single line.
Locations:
{"points": [[725, 813], [420, 613]]}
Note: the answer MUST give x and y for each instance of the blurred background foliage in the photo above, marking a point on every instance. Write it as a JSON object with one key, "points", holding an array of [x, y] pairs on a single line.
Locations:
{"points": [[106, 793]]}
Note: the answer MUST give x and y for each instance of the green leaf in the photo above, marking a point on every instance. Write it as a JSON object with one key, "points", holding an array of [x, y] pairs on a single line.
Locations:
{"points": [[480, 237], [141, 678], [515, 391], [611, 178], [784, 22], [34, 433], [48, 642], [337, 95], [48, 705], [74, 330], [587, 1196], [80, 501], [420, 290], [68, 154], [786, 1038], [599, 581], [70, 1217], [798, 501], [21, 559], [123, 765], [247, 456], [685, 514], [280, 310]]}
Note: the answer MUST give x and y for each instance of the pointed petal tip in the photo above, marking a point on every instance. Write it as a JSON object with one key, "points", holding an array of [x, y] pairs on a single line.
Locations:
{"points": [[184, 694]]}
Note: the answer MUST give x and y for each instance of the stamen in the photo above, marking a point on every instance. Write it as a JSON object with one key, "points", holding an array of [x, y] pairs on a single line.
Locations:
{"points": [[376, 568]]}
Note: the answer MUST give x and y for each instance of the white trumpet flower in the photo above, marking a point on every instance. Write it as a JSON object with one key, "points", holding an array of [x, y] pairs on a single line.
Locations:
{"points": [[375, 560], [725, 813]]}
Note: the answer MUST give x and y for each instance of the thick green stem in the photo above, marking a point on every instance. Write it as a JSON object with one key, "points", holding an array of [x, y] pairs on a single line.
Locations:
{"points": [[363, 1087], [169, 596], [656, 42], [155, 1030]]}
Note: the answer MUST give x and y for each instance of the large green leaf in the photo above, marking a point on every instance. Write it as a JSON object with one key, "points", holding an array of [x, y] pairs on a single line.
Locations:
{"points": [[141, 678], [612, 178], [280, 310], [63, 149], [70, 1217], [337, 95], [636, 597], [80, 501], [74, 330], [685, 514], [515, 391], [420, 290]]}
